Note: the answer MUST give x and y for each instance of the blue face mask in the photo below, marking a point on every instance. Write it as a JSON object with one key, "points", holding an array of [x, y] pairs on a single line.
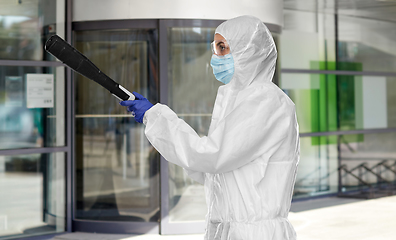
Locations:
{"points": [[223, 67]]}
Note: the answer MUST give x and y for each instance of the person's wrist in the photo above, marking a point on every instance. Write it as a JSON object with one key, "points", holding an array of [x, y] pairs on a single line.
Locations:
{"points": [[147, 114]]}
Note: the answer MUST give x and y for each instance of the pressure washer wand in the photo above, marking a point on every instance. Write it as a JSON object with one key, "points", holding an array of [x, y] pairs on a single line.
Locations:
{"points": [[72, 58]]}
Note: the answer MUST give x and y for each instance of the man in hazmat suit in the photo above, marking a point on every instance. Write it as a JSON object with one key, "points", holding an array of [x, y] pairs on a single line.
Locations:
{"points": [[249, 159]]}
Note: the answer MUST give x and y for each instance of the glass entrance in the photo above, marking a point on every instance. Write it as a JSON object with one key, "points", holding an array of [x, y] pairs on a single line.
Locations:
{"points": [[117, 170], [117, 175]]}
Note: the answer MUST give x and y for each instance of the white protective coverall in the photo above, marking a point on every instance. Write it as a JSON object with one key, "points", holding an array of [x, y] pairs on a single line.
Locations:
{"points": [[249, 159]]}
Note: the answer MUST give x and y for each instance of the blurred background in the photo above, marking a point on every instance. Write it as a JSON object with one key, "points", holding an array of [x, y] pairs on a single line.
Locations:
{"points": [[72, 159]]}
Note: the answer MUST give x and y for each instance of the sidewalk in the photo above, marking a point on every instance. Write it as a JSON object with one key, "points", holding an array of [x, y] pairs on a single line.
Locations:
{"points": [[93, 236], [320, 219], [363, 220]]}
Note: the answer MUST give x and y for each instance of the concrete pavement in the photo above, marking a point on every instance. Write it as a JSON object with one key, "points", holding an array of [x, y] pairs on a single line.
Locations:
{"points": [[320, 219]]}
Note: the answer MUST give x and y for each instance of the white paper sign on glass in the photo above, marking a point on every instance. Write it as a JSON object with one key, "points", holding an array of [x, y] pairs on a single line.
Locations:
{"points": [[39, 90]]}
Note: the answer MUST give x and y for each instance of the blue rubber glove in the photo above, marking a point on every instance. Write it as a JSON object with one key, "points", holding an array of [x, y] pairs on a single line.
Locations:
{"points": [[139, 106]]}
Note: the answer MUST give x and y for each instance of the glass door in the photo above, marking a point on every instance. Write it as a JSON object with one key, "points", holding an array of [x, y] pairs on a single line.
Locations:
{"points": [[189, 88], [117, 170]]}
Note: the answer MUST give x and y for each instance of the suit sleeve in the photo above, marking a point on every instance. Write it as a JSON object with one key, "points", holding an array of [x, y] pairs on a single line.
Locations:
{"points": [[248, 132]]}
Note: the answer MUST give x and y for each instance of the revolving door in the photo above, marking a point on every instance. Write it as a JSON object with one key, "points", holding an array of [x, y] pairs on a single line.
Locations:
{"points": [[116, 169]]}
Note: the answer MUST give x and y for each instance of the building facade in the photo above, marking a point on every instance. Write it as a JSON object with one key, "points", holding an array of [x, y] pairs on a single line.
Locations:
{"points": [[72, 159]]}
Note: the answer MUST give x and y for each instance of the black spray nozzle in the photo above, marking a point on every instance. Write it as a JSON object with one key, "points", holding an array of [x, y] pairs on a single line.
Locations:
{"points": [[71, 57]]}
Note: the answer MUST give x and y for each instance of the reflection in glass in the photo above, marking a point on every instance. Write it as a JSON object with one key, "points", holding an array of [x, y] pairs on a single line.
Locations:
{"points": [[192, 91], [326, 102], [25, 25], [33, 197], [23, 126], [369, 42], [117, 169], [307, 40], [315, 98], [375, 151], [317, 171]]}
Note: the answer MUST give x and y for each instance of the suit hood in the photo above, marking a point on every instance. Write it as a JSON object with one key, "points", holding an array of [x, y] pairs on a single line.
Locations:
{"points": [[252, 48]]}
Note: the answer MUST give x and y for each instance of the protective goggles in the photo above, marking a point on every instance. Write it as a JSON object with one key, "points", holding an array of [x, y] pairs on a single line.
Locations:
{"points": [[220, 47]]}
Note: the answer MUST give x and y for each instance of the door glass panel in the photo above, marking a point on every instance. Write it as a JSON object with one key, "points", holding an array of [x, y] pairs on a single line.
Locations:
{"points": [[193, 89], [33, 195], [25, 25], [32, 107], [192, 93], [117, 176]]}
